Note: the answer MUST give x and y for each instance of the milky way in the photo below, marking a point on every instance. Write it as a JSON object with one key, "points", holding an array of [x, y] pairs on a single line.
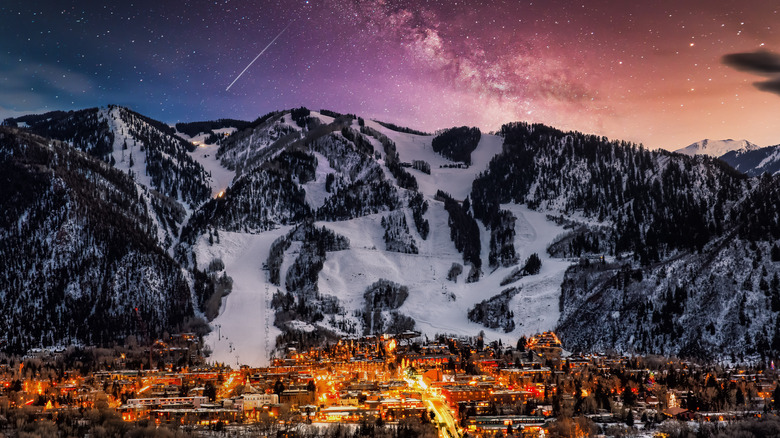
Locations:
{"points": [[651, 72]]}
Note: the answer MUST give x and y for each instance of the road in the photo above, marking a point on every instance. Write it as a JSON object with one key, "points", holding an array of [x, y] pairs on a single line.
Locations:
{"points": [[447, 424], [444, 418]]}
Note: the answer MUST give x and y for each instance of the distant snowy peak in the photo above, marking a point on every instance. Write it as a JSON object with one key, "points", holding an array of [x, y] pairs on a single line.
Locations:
{"points": [[717, 148]]}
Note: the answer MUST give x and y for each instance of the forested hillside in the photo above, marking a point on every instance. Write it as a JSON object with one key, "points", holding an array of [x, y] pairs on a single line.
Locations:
{"points": [[80, 251]]}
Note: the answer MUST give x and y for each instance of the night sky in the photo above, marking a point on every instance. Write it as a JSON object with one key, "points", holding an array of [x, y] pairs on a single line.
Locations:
{"points": [[664, 72]]}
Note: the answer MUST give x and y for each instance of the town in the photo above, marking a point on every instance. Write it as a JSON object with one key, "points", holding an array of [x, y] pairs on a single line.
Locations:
{"points": [[404, 385]]}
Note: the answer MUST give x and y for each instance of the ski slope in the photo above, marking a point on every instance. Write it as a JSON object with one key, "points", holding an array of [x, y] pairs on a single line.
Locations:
{"points": [[436, 304], [243, 332], [134, 150], [206, 154], [456, 182]]}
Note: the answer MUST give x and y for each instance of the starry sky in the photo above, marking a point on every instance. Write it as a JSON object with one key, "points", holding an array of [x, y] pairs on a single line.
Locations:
{"points": [[665, 73]]}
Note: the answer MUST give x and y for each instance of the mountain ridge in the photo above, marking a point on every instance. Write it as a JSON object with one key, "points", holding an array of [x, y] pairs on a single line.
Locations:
{"points": [[717, 148], [283, 229]]}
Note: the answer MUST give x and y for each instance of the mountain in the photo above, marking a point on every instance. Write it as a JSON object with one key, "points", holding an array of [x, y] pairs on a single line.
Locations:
{"points": [[717, 148], [677, 255], [145, 149], [303, 226], [755, 162], [81, 261]]}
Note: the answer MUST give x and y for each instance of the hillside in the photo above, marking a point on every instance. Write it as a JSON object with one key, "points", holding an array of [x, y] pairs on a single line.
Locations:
{"points": [[312, 225], [338, 174], [145, 149], [79, 250], [755, 162]]}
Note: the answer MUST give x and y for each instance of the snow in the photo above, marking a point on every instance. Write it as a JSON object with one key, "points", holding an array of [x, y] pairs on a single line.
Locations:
{"points": [[315, 190], [323, 118], [436, 304], [771, 158], [347, 274], [122, 157], [536, 306], [219, 176], [243, 332], [206, 154], [717, 148], [456, 182]]}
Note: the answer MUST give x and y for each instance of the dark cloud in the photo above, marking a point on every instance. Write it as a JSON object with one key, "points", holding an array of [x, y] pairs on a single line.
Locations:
{"points": [[771, 86], [760, 62]]}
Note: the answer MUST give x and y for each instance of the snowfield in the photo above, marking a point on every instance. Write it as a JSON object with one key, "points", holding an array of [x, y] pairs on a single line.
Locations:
{"points": [[219, 176], [717, 148], [243, 332], [436, 304], [315, 190], [455, 181]]}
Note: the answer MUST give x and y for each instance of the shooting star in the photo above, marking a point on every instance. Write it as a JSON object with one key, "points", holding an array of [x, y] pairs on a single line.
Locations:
{"points": [[258, 55]]}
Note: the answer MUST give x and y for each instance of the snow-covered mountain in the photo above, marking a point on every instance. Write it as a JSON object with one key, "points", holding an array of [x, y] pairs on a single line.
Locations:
{"points": [[79, 249], [172, 181], [755, 162], [303, 226], [717, 148]]}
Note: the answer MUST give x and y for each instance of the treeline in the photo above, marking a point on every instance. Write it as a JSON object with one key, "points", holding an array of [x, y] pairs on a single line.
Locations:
{"points": [[494, 312], [645, 194], [457, 144], [361, 189], [419, 206], [300, 116], [83, 129], [502, 240], [210, 286], [359, 199], [464, 232], [259, 201], [380, 314], [173, 172], [336, 115], [580, 241], [392, 160], [758, 217], [532, 266], [396, 128], [34, 119], [302, 301], [397, 236], [362, 143], [192, 129], [422, 166], [406, 180], [385, 295], [156, 124], [319, 240], [301, 164], [264, 118], [265, 137]]}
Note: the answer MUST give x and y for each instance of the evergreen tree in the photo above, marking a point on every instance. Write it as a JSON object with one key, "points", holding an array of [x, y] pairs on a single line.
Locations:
{"points": [[533, 264], [521, 344]]}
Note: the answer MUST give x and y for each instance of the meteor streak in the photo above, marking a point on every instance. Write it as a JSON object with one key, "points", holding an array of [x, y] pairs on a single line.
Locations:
{"points": [[258, 55]]}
